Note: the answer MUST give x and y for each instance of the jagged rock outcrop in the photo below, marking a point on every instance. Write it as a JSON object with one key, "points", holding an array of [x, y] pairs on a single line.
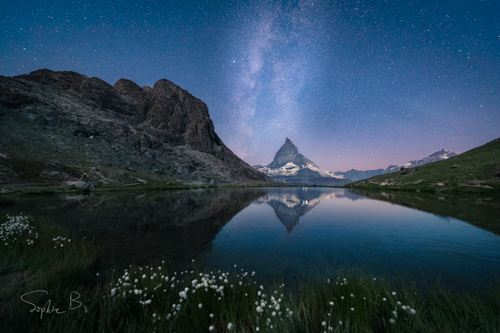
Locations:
{"points": [[289, 153], [73, 120], [133, 94]]}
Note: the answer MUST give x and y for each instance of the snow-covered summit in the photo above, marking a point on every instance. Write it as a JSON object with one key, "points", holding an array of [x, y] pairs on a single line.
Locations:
{"points": [[292, 167]]}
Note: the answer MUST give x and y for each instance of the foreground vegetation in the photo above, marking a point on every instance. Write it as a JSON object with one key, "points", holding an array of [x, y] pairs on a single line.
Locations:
{"points": [[50, 282]]}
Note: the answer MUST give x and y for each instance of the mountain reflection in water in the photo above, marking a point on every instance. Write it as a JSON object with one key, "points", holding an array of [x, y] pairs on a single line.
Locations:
{"points": [[290, 204], [174, 226], [291, 233]]}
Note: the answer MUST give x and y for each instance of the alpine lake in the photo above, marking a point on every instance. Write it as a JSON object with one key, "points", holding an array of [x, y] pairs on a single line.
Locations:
{"points": [[294, 233]]}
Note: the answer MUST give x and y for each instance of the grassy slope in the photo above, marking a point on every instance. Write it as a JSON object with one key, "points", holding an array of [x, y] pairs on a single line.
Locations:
{"points": [[477, 170]]}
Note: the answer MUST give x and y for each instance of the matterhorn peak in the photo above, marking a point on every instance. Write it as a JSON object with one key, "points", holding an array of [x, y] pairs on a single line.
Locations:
{"points": [[291, 167]]}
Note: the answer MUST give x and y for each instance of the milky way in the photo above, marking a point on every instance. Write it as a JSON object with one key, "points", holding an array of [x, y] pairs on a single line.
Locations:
{"points": [[355, 84]]}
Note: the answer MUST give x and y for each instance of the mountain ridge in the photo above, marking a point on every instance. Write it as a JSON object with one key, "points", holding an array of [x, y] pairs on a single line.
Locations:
{"points": [[476, 170], [290, 166], [109, 134], [356, 175]]}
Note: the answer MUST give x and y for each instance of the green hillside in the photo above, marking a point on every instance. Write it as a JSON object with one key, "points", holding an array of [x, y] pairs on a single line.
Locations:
{"points": [[477, 170]]}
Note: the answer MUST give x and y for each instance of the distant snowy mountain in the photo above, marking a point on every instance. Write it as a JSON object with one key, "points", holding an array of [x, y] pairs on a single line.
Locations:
{"points": [[291, 167], [443, 154], [356, 175]]}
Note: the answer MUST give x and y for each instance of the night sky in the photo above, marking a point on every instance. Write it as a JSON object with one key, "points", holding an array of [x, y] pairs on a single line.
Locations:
{"points": [[354, 84]]}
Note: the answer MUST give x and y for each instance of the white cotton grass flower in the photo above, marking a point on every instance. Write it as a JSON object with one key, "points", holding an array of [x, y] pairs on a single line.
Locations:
{"points": [[331, 303], [229, 326], [211, 328], [323, 323], [211, 315], [200, 305], [392, 321]]}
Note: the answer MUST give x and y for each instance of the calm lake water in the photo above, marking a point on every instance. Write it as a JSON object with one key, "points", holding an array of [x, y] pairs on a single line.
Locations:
{"points": [[292, 233]]}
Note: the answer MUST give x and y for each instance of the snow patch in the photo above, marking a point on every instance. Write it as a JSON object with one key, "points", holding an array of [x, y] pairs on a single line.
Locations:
{"points": [[288, 169], [291, 169]]}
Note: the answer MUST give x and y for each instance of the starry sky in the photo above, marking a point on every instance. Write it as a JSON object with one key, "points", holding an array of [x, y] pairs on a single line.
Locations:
{"points": [[354, 84]]}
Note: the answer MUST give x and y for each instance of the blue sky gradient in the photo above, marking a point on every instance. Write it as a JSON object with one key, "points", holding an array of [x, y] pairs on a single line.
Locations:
{"points": [[354, 84]]}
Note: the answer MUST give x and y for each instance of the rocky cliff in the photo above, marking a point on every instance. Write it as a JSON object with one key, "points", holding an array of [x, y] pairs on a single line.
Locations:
{"points": [[78, 127]]}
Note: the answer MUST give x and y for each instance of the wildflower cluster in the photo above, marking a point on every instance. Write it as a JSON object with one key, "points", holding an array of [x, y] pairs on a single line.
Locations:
{"points": [[405, 309], [167, 295], [352, 306], [268, 308], [223, 301], [60, 241], [16, 230]]}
